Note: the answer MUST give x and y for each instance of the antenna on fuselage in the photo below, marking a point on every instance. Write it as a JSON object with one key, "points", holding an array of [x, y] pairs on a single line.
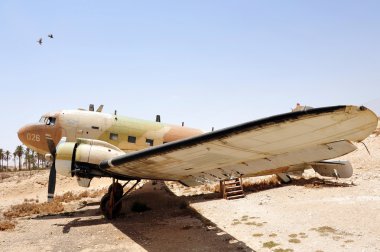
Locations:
{"points": [[158, 118], [100, 109]]}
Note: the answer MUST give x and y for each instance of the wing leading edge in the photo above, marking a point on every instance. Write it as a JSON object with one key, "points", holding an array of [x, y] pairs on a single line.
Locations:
{"points": [[266, 146]]}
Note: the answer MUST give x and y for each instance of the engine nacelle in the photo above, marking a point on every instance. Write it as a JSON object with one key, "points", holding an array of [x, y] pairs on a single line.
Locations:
{"points": [[86, 151], [341, 169]]}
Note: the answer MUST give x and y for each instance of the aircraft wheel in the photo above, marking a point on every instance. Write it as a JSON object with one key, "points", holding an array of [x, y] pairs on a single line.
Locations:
{"points": [[108, 210], [103, 202], [119, 190]]}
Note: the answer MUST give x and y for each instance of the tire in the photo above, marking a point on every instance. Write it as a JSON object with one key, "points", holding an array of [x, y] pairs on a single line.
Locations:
{"points": [[106, 208], [119, 190], [104, 203]]}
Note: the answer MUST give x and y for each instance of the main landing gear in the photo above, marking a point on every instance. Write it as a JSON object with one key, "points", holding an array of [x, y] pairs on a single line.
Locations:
{"points": [[111, 202]]}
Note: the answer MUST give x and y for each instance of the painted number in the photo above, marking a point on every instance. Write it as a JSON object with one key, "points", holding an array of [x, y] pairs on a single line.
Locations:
{"points": [[33, 137]]}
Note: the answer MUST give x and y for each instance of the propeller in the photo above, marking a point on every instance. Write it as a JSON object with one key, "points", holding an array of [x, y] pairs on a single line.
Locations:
{"points": [[53, 173]]}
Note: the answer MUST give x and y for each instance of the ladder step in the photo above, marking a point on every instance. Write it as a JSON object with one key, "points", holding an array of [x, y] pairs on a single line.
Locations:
{"points": [[233, 187], [236, 191], [233, 184], [235, 197]]}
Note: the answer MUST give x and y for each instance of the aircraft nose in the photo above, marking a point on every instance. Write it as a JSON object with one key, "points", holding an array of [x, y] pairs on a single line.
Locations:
{"points": [[22, 134]]}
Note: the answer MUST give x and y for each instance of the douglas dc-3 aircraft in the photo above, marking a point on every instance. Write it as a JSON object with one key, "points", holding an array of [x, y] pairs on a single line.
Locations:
{"points": [[89, 144]]}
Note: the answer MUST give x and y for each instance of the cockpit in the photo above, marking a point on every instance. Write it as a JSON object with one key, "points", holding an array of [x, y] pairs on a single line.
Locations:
{"points": [[48, 120]]}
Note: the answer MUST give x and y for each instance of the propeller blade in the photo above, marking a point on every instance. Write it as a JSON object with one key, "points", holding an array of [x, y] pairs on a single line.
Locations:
{"points": [[53, 173], [52, 180], [51, 145]]}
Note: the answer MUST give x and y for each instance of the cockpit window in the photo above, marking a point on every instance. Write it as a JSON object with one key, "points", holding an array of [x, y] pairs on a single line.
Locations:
{"points": [[48, 120]]}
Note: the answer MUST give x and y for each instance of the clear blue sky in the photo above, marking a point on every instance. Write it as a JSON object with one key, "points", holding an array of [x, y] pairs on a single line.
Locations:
{"points": [[208, 63]]}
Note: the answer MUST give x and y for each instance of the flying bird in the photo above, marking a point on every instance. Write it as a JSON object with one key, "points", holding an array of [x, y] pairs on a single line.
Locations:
{"points": [[39, 41], [50, 36]]}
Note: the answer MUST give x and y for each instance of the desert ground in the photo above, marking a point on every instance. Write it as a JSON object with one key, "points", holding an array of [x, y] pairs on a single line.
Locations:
{"points": [[312, 213]]}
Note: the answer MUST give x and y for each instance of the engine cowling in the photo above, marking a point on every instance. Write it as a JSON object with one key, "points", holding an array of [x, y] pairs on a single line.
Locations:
{"points": [[85, 152], [341, 169]]}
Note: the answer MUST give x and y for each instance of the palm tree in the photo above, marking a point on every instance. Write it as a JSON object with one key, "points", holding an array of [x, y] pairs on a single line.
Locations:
{"points": [[37, 157], [27, 158], [19, 152], [32, 159], [43, 160], [1, 158], [14, 159], [7, 156]]}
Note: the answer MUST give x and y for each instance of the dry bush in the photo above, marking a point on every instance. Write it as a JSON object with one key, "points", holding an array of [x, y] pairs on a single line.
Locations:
{"points": [[70, 196], [4, 176], [215, 188], [7, 225], [31, 206], [267, 183], [28, 209]]}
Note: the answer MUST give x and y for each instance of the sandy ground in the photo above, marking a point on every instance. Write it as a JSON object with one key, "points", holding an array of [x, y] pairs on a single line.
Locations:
{"points": [[313, 214]]}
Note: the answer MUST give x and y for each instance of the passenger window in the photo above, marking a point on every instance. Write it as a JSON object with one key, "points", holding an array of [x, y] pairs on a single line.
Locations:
{"points": [[114, 136], [149, 142], [131, 139]]}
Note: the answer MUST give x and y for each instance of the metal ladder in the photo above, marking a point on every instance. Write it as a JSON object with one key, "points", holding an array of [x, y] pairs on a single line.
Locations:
{"points": [[232, 189]]}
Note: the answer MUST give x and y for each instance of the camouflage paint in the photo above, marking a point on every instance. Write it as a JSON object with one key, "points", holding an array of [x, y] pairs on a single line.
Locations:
{"points": [[75, 124]]}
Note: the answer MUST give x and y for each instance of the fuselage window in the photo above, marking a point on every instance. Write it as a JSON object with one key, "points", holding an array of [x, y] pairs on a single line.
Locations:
{"points": [[114, 136], [149, 142], [131, 139]]}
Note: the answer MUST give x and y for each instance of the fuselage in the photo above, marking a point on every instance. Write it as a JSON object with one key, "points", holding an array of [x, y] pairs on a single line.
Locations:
{"points": [[128, 134]]}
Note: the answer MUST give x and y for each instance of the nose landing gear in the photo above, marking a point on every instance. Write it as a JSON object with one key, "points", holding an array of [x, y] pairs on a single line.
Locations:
{"points": [[111, 202]]}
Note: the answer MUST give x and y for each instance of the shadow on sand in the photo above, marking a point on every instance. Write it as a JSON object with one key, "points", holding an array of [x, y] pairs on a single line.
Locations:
{"points": [[171, 219], [170, 225]]}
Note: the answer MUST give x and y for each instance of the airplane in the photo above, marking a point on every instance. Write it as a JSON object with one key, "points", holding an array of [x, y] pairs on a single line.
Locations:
{"points": [[89, 144], [50, 36], [39, 41]]}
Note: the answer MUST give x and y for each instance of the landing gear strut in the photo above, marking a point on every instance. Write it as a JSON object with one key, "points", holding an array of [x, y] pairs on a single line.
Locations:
{"points": [[111, 202]]}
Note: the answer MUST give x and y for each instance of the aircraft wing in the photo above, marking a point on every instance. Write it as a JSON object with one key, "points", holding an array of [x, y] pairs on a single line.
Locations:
{"points": [[267, 146]]}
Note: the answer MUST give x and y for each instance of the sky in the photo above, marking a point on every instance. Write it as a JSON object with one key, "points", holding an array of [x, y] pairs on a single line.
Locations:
{"points": [[207, 63]]}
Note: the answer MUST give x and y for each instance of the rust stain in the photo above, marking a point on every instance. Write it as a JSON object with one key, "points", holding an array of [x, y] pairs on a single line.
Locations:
{"points": [[273, 171]]}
